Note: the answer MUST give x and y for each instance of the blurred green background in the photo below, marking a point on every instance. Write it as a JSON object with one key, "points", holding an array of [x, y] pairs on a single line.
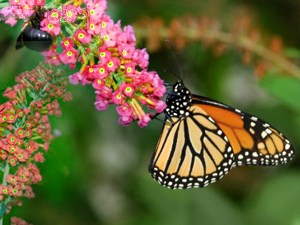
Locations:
{"points": [[96, 172]]}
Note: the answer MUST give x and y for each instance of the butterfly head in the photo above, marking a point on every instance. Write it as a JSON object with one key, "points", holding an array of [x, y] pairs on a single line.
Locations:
{"points": [[178, 100]]}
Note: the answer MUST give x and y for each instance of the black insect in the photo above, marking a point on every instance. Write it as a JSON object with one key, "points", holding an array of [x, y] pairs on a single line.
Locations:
{"points": [[32, 37]]}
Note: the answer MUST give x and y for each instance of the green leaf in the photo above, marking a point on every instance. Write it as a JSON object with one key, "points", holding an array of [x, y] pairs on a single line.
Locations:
{"points": [[285, 89]]}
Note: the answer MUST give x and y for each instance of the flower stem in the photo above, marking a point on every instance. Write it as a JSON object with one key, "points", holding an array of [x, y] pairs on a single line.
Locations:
{"points": [[5, 174], [260, 50]]}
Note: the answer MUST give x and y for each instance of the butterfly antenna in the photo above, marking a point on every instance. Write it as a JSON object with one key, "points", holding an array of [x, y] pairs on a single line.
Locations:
{"points": [[170, 71], [176, 59]]}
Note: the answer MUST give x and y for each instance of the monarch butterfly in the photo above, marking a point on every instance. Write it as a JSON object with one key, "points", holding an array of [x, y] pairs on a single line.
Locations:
{"points": [[202, 140]]}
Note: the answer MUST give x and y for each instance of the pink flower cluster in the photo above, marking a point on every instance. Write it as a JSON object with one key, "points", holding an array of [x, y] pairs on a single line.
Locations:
{"points": [[20, 9], [25, 130], [17, 221], [109, 59], [107, 54]]}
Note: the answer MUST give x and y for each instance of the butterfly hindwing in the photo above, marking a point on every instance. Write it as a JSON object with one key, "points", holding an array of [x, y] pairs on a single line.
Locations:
{"points": [[192, 152]]}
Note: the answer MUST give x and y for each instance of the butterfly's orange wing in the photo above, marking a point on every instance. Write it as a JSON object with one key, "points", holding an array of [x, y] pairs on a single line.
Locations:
{"points": [[254, 142]]}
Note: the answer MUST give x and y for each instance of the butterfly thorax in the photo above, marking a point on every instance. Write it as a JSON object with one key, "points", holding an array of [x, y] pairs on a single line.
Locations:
{"points": [[178, 101]]}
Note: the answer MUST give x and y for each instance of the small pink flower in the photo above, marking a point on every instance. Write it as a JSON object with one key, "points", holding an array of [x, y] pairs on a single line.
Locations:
{"points": [[53, 15], [127, 89], [28, 192], [127, 37], [68, 56], [106, 23], [75, 78], [93, 28], [20, 132], [67, 43], [11, 21], [3, 155], [69, 13], [15, 191], [113, 64], [160, 106], [109, 35], [98, 84], [130, 68], [96, 10], [4, 189], [46, 146], [54, 60], [12, 139], [50, 27], [157, 83], [124, 110], [144, 121], [118, 98], [101, 104], [89, 73], [39, 2], [130, 34], [21, 155], [82, 36], [6, 11], [141, 57], [104, 54], [12, 160], [104, 92], [28, 132], [12, 179], [101, 72], [125, 120], [126, 51], [38, 157], [27, 11], [12, 149]]}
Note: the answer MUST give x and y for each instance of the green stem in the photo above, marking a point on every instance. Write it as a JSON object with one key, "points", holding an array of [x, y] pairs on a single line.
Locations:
{"points": [[5, 174]]}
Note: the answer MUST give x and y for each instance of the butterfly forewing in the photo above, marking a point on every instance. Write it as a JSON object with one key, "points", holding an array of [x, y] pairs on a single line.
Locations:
{"points": [[254, 141]]}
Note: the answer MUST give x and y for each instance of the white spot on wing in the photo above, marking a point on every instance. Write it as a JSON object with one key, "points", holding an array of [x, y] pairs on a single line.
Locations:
{"points": [[264, 134]]}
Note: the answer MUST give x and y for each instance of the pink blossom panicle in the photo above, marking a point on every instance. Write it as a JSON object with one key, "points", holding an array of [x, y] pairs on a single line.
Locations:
{"points": [[84, 35], [25, 131]]}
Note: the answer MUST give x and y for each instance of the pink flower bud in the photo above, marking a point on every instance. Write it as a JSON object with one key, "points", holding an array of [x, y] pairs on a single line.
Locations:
{"points": [[160, 106], [101, 104], [143, 122], [124, 110]]}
